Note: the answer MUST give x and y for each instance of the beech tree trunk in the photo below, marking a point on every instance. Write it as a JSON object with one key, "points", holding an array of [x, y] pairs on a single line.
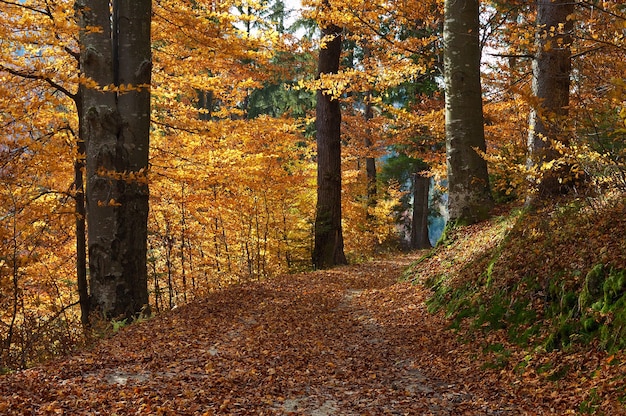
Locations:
{"points": [[551, 86], [469, 195], [328, 249], [81, 220], [116, 130], [370, 162], [419, 223]]}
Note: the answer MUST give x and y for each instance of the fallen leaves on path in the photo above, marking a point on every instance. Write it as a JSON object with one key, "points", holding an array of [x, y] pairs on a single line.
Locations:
{"points": [[347, 341]]}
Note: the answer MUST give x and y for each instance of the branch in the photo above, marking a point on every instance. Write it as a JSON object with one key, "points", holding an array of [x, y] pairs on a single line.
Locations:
{"points": [[74, 54], [508, 88], [511, 55], [382, 35], [492, 27], [25, 6], [39, 77], [604, 42], [51, 320], [48, 13], [177, 128], [582, 53], [593, 6]]}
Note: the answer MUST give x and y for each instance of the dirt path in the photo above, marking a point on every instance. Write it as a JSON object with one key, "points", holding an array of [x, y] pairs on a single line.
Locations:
{"points": [[349, 341]]}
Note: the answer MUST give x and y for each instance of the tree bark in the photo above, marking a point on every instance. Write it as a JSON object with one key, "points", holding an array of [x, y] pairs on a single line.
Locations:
{"points": [[370, 162], [116, 130], [469, 196], [419, 223], [328, 249], [81, 219], [550, 85]]}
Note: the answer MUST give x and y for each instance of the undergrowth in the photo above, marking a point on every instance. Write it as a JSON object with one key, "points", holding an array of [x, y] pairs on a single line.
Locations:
{"points": [[549, 279]]}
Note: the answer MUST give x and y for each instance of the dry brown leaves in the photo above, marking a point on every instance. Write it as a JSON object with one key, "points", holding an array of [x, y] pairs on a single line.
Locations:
{"points": [[349, 341]]}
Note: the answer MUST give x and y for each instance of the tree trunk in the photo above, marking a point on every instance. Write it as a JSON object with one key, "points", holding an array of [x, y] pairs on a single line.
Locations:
{"points": [[116, 130], [469, 198], [419, 224], [81, 218], [550, 85], [328, 249], [370, 162]]}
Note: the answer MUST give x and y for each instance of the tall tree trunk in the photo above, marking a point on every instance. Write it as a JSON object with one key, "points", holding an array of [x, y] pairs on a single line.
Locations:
{"points": [[469, 198], [550, 85], [116, 130], [328, 249], [81, 219], [419, 224], [370, 161]]}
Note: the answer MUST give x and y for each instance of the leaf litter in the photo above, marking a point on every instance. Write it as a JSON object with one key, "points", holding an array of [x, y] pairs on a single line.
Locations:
{"points": [[348, 341]]}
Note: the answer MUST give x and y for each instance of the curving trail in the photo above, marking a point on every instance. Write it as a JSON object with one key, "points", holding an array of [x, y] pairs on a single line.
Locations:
{"points": [[348, 341]]}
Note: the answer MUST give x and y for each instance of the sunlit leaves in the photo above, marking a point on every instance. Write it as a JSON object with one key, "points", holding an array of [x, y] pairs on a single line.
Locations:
{"points": [[592, 121], [233, 192]]}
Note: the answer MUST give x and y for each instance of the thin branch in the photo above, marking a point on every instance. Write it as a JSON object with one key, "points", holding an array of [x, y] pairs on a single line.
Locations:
{"points": [[27, 7], [51, 320], [593, 6], [604, 42], [511, 55], [493, 26], [508, 88], [177, 128], [585, 52], [39, 77], [383, 36]]}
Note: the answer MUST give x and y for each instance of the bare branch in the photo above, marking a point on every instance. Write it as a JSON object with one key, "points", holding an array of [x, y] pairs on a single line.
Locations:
{"points": [[511, 55]]}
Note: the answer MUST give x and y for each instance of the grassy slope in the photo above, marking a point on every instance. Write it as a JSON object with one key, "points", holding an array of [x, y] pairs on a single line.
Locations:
{"points": [[542, 293]]}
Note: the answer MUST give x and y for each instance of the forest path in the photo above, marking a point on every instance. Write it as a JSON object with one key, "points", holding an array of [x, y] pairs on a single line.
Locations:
{"points": [[347, 341]]}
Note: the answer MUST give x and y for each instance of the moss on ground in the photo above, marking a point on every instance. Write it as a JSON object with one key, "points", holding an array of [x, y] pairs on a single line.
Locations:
{"points": [[549, 278]]}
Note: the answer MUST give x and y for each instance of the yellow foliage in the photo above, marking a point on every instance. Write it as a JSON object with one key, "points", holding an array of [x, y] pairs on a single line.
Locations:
{"points": [[232, 198]]}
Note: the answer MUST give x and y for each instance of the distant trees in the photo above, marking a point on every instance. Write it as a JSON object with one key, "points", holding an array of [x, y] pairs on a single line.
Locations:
{"points": [[419, 220], [553, 96], [469, 195], [551, 71]]}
